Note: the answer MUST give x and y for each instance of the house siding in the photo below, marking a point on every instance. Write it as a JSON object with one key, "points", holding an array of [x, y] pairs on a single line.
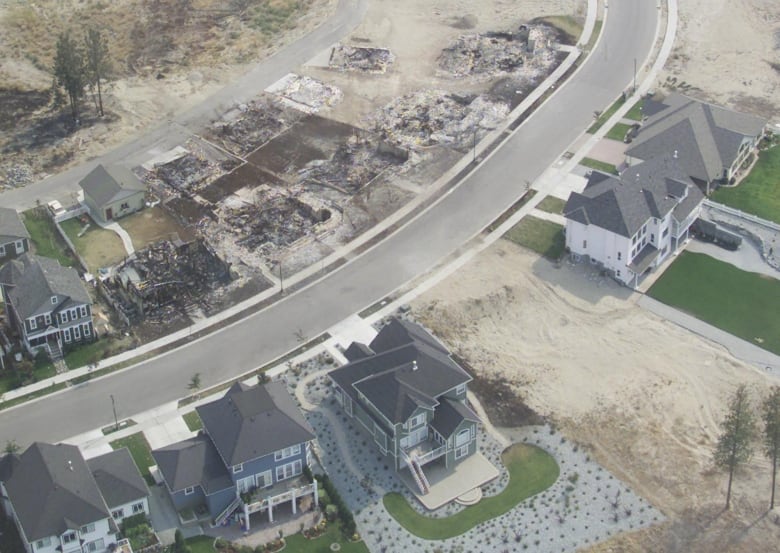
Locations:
{"points": [[8, 250], [266, 463], [182, 501], [218, 501], [126, 510], [472, 445], [133, 203]]}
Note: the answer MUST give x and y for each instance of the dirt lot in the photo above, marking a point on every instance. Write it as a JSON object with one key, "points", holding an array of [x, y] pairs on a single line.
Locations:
{"points": [[644, 395], [727, 51], [153, 224]]}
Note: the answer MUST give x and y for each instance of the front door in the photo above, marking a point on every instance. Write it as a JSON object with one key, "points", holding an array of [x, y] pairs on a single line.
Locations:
{"points": [[109, 213]]}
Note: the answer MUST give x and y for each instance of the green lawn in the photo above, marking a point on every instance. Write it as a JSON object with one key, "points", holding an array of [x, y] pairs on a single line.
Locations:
{"points": [[296, 543], [531, 470], [9, 381], [98, 247], [47, 240], [602, 118], [95, 351], [599, 165], [551, 204], [593, 37], [744, 304], [141, 452], [759, 193], [544, 237], [635, 113], [618, 132], [192, 420]]}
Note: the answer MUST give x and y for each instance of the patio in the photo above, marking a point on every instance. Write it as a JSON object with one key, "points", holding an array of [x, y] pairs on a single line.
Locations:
{"points": [[262, 531], [448, 484]]}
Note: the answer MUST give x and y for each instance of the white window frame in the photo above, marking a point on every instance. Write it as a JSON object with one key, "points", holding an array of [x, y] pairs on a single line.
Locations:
{"points": [[238, 468], [76, 332], [86, 331], [268, 479], [139, 507], [417, 420], [66, 334], [118, 513], [287, 452], [461, 389], [20, 246], [45, 542], [289, 470], [54, 300], [461, 451], [69, 537], [87, 528], [189, 490], [47, 319], [2, 249], [83, 310], [33, 323], [458, 441], [97, 545]]}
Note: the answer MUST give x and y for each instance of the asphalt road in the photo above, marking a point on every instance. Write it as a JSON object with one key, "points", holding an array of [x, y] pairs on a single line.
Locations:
{"points": [[412, 250]]}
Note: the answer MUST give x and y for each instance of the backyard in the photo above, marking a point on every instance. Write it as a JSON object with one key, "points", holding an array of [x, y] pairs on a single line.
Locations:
{"points": [[140, 451], [296, 543], [47, 241], [151, 225], [741, 303], [531, 471], [759, 193], [543, 237], [98, 247]]}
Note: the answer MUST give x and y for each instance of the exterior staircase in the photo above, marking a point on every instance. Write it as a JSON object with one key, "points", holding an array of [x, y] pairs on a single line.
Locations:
{"points": [[418, 475], [56, 355], [228, 511]]}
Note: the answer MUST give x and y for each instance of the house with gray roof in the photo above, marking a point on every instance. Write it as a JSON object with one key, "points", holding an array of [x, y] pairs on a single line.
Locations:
{"points": [[120, 484], [248, 459], [46, 303], [408, 393], [14, 238], [631, 224], [56, 502], [112, 192], [712, 143]]}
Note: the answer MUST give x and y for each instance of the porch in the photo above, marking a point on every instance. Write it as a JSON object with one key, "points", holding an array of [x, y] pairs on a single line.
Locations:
{"points": [[267, 499], [426, 451], [447, 484], [262, 531]]}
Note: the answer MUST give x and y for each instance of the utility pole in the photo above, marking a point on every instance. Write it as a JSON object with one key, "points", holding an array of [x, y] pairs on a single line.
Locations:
{"points": [[113, 406], [634, 75], [281, 278], [474, 145]]}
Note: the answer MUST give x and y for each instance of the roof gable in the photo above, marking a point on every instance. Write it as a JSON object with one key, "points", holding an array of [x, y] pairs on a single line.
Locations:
{"points": [[250, 422], [192, 462], [11, 226], [52, 490], [118, 478], [107, 184]]}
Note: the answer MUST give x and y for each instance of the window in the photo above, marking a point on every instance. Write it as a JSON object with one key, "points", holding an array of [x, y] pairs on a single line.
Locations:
{"points": [[76, 333], [463, 437], [189, 491], [618, 273], [665, 233], [461, 389], [138, 508], [66, 335], [264, 480], [96, 545], [287, 452], [633, 240], [462, 451], [64, 317], [2, 249], [54, 300], [289, 470], [584, 244], [33, 324], [87, 529], [47, 318], [417, 420], [69, 537], [45, 542], [124, 205], [87, 330], [620, 256], [238, 468], [118, 514], [20, 247], [83, 309], [652, 238]]}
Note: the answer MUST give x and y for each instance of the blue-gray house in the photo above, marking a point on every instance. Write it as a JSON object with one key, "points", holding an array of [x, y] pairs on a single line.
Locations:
{"points": [[249, 457]]}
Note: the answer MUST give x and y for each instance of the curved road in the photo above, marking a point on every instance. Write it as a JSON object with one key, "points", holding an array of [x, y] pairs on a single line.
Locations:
{"points": [[412, 250]]}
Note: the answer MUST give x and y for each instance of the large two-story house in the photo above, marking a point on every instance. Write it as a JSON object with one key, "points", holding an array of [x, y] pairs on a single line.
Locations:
{"points": [[712, 143], [46, 303], [14, 238], [249, 457], [408, 393], [631, 224], [58, 504]]}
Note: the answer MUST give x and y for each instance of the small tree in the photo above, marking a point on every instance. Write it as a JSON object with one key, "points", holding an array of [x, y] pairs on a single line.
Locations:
{"points": [[97, 62], [770, 413], [11, 447], [179, 545], [194, 384], [738, 430], [69, 71]]}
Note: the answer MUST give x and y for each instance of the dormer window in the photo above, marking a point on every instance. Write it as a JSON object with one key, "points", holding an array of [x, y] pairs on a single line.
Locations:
{"points": [[54, 300]]}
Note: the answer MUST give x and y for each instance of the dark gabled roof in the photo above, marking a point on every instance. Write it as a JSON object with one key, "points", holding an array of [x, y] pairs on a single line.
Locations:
{"points": [[193, 462], [32, 281], [356, 351], [450, 414], [118, 478], [109, 184], [623, 205], [11, 226], [8, 463], [411, 370], [250, 422], [52, 490], [706, 137]]}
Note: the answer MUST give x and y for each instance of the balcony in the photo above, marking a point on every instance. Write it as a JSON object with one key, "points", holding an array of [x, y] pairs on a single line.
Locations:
{"points": [[426, 451], [281, 492]]}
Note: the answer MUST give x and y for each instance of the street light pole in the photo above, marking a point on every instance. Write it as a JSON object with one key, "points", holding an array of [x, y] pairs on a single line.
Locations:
{"points": [[281, 278], [474, 145], [634, 75], [113, 406]]}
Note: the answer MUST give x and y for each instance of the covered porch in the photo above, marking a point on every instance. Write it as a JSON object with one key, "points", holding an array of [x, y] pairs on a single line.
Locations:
{"points": [[268, 499], [447, 484]]}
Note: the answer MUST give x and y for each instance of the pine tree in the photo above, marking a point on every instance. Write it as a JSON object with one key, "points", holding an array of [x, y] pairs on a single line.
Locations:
{"points": [[69, 71], [97, 62], [739, 429], [770, 413]]}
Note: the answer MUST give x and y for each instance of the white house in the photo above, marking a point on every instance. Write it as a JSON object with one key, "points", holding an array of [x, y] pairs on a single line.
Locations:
{"points": [[120, 484], [631, 224]]}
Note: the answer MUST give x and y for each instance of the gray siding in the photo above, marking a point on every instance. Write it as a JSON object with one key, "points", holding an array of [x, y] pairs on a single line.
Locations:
{"points": [[182, 501], [218, 502]]}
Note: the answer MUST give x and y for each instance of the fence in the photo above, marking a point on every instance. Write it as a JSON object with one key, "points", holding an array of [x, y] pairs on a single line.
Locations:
{"points": [[741, 214]]}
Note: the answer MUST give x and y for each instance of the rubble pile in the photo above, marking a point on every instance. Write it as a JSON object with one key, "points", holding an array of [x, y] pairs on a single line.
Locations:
{"points": [[434, 117], [251, 125], [277, 222], [16, 175], [188, 173], [355, 58], [167, 278], [305, 94], [354, 164]]}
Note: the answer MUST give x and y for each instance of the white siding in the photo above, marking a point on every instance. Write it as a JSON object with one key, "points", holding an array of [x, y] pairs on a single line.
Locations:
{"points": [[127, 509]]}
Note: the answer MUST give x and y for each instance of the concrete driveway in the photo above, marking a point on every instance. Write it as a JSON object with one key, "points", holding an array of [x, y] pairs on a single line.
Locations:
{"points": [[747, 257]]}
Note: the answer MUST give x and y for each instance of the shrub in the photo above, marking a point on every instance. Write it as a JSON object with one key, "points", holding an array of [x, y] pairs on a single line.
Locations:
{"points": [[133, 521]]}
